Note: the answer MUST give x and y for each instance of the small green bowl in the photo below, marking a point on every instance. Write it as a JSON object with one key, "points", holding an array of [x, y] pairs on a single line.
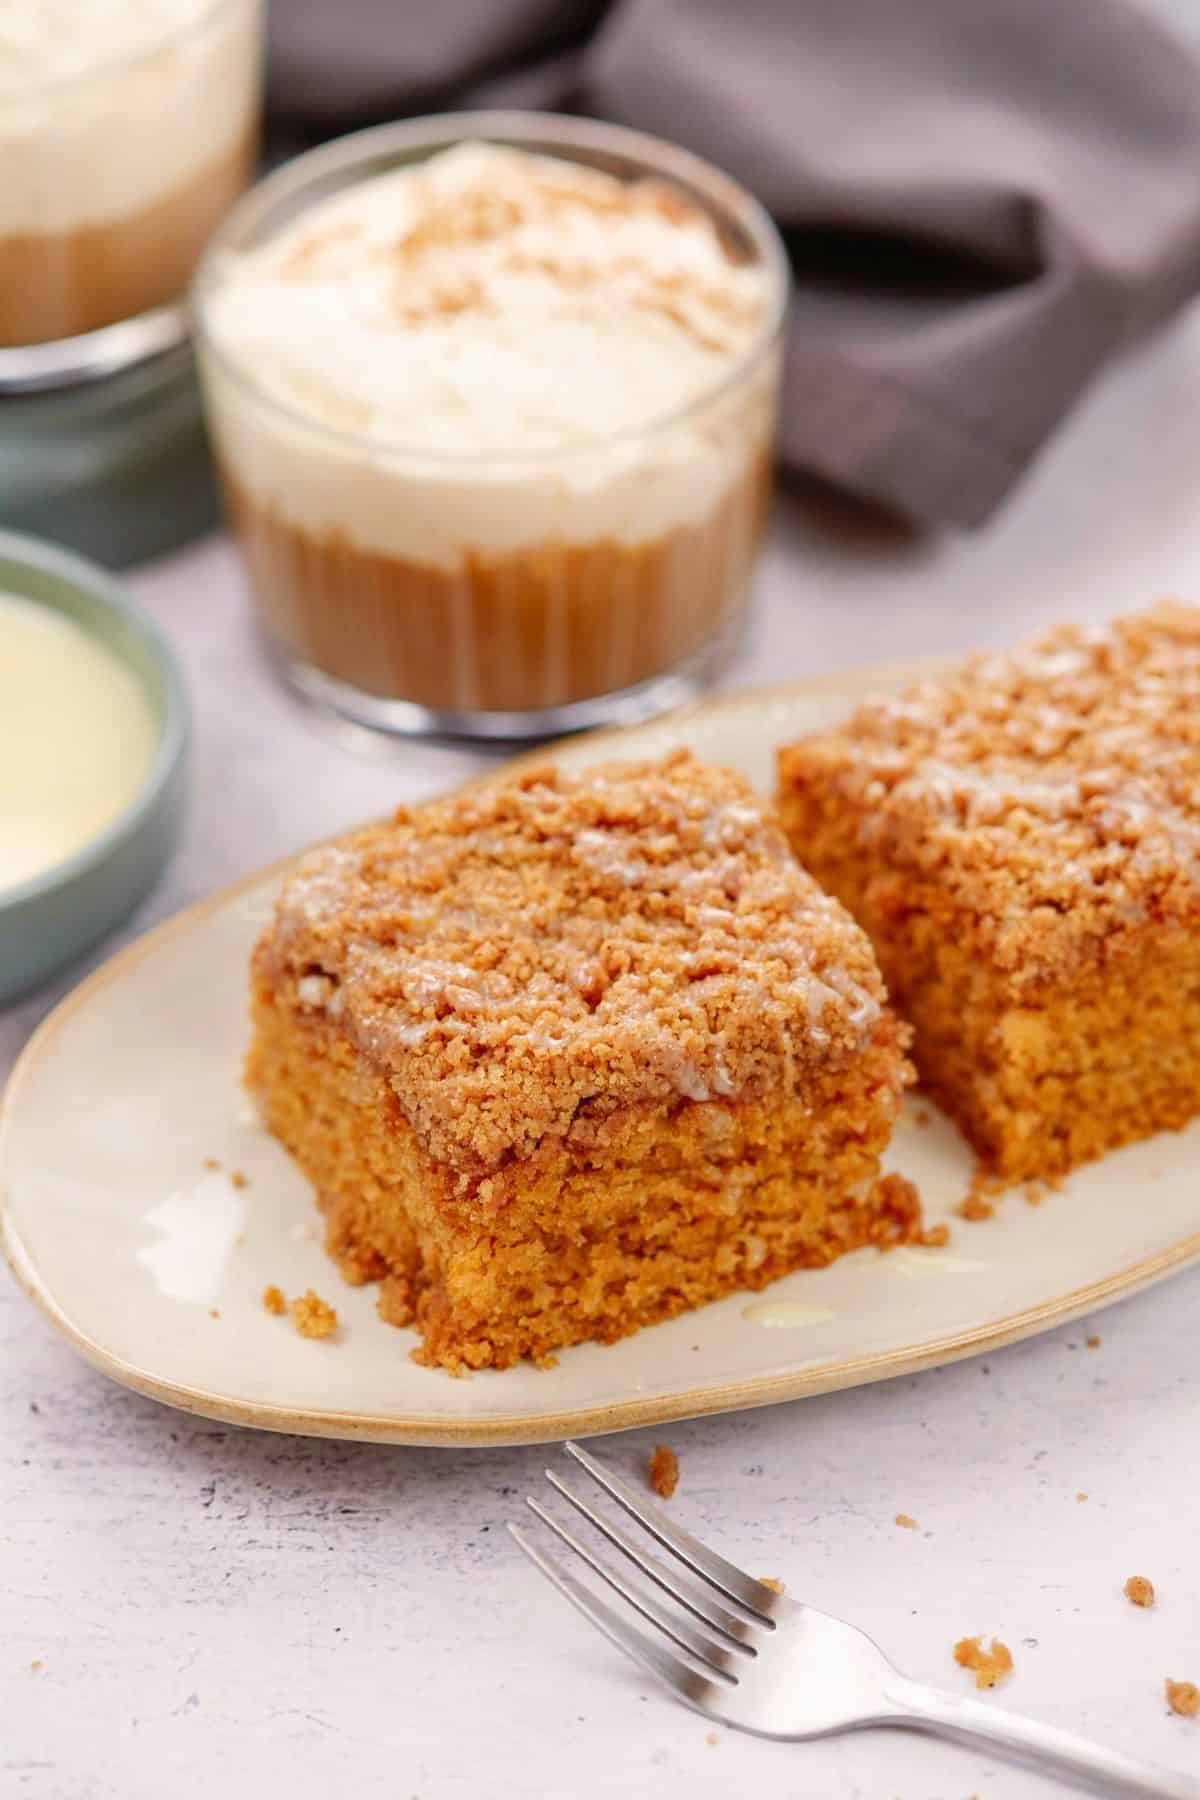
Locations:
{"points": [[57, 915]]}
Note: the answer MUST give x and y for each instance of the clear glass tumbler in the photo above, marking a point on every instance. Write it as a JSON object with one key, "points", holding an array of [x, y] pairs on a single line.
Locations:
{"points": [[113, 174], [510, 594]]}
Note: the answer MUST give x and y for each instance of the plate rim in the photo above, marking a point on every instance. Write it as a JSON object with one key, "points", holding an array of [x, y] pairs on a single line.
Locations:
{"points": [[427, 1430]]}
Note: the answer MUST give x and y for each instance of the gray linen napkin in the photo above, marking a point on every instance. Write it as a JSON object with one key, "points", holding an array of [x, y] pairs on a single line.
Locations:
{"points": [[984, 199]]}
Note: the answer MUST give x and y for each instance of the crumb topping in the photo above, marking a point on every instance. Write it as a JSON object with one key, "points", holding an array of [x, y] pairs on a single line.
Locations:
{"points": [[1139, 1591], [664, 1471], [530, 957], [312, 1316], [990, 1666], [1055, 791], [273, 1300]]}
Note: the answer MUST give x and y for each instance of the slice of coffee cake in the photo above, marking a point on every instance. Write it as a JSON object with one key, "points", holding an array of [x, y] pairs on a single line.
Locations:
{"points": [[1022, 843], [570, 1054]]}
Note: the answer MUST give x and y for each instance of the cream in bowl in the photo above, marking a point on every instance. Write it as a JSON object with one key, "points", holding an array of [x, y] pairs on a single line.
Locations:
{"points": [[77, 738], [127, 129], [93, 743], [495, 417]]}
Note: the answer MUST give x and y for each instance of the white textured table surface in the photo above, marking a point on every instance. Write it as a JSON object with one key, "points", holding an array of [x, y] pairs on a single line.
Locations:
{"points": [[216, 1611]]}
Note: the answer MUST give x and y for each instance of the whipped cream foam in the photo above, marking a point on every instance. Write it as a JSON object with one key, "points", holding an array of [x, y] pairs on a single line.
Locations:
{"points": [[497, 334], [106, 105]]}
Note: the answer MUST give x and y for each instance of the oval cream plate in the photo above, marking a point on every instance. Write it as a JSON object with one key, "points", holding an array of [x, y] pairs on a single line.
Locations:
{"points": [[153, 1263]]}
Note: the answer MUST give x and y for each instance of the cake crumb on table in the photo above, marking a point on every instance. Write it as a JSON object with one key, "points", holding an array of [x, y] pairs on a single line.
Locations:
{"points": [[905, 1523], [776, 1586], [974, 1209], [212, 1162], [240, 1179], [274, 1300], [936, 1238], [664, 1471], [1139, 1591], [1093, 1343], [312, 1316], [988, 1666], [1183, 1697]]}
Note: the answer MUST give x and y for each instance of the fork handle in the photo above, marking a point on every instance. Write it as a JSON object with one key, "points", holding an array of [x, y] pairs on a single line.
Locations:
{"points": [[1058, 1753]]}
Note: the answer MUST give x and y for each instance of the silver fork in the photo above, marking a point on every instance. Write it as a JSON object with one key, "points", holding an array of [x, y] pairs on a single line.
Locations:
{"points": [[740, 1653]]}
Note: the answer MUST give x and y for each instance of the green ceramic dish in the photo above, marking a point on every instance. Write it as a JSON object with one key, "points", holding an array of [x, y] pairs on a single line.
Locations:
{"points": [[55, 916]]}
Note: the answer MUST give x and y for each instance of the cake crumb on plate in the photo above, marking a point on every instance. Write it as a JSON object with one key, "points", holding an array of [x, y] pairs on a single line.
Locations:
{"points": [[988, 1666], [1093, 1342], [312, 1316], [240, 1179], [974, 1209], [36, 1666], [1081, 1495], [1183, 1697], [273, 1300], [772, 1581], [936, 1238], [212, 1162], [664, 1471], [1139, 1591], [905, 1523]]}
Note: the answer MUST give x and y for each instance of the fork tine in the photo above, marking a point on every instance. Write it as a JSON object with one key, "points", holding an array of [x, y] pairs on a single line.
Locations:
{"points": [[729, 1625], [709, 1655], [679, 1676], [731, 1581]]}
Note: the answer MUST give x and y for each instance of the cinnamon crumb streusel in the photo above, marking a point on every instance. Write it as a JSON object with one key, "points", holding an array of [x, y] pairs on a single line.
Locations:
{"points": [[573, 944], [990, 1666], [312, 1316], [664, 1471], [1022, 841], [1183, 1697], [1139, 1591], [274, 1300], [568, 1054]]}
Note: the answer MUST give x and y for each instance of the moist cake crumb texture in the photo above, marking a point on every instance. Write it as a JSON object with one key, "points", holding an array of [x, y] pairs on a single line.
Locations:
{"points": [[990, 1666], [573, 1052], [1139, 1591], [1022, 841], [664, 1471]]}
